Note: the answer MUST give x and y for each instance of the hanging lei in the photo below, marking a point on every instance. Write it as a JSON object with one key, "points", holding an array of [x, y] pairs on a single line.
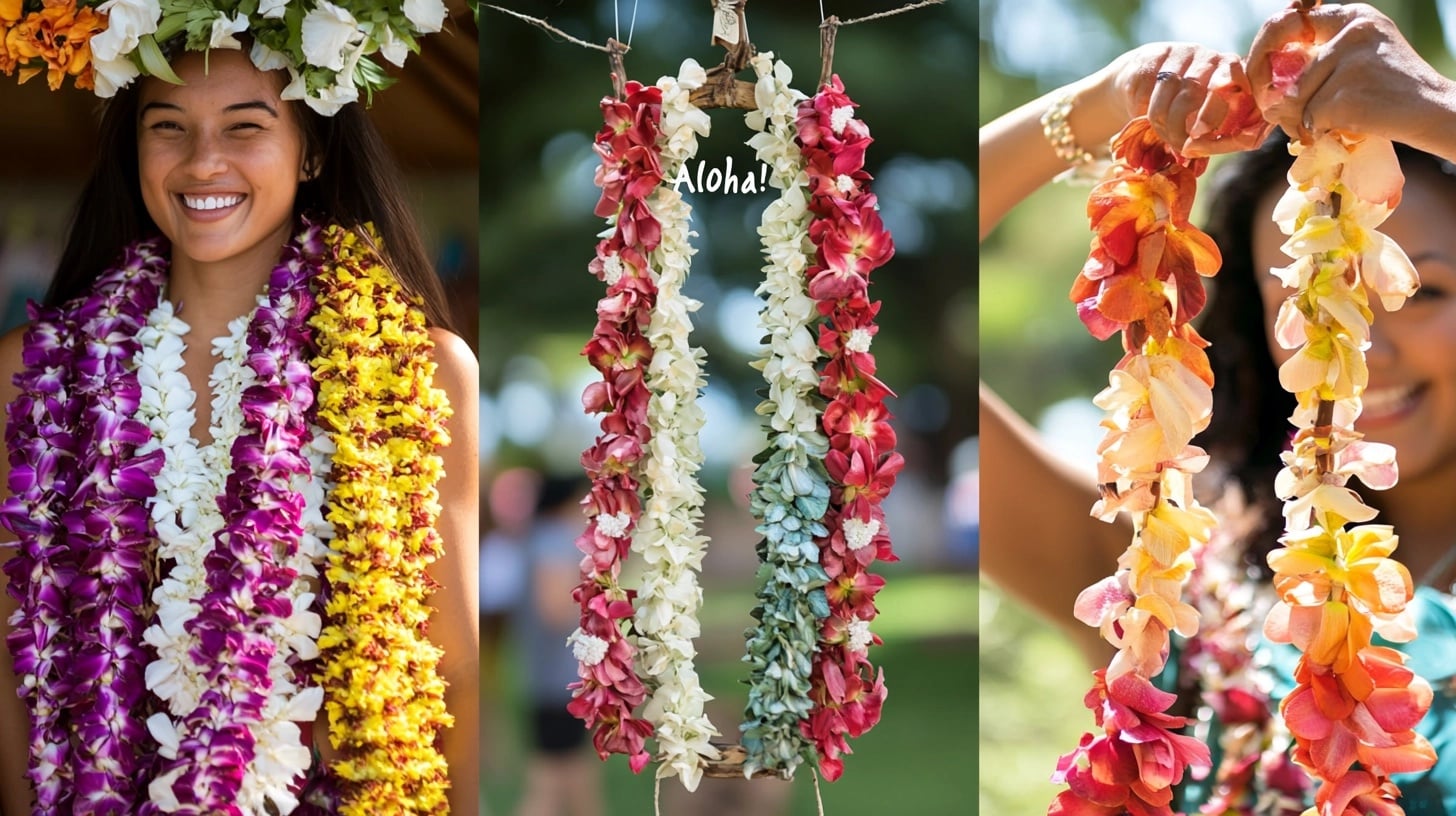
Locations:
{"points": [[668, 535], [850, 242], [610, 690], [791, 487], [234, 635], [649, 445], [820, 483]]}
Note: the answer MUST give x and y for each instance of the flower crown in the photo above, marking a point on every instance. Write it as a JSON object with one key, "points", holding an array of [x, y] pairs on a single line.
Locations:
{"points": [[105, 45]]}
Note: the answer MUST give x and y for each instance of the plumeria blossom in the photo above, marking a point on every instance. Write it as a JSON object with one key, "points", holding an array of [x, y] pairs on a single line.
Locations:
{"points": [[1352, 702], [1143, 278], [849, 241]]}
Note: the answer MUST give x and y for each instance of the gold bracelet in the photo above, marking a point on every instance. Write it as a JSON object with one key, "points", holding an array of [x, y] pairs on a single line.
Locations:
{"points": [[1059, 132], [1083, 164]]}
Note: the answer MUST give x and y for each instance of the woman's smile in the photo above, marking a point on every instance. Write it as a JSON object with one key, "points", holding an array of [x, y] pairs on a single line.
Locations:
{"points": [[1389, 405]]}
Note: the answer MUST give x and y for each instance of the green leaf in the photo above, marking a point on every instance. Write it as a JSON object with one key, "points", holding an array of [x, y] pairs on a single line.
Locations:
{"points": [[153, 62]]}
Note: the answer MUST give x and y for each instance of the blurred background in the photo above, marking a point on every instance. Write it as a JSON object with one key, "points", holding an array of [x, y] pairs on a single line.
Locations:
{"points": [[911, 76], [1032, 680]]}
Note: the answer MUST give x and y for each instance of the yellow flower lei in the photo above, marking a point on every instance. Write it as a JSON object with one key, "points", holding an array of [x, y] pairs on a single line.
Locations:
{"points": [[384, 698]]}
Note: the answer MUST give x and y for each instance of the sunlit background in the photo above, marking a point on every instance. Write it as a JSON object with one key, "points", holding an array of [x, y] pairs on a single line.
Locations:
{"points": [[1032, 681], [912, 76]]}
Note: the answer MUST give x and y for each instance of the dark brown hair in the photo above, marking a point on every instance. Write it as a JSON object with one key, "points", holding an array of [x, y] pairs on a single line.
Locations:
{"points": [[358, 181]]}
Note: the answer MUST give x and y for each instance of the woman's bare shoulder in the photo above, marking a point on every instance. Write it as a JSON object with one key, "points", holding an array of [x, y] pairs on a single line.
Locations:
{"points": [[455, 363]]}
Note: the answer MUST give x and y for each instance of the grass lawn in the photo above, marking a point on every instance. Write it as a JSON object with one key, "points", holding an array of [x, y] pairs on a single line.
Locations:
{"points": [[920, 759]]}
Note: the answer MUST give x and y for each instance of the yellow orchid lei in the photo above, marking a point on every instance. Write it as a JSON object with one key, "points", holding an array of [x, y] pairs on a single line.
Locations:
{"points": [[384, 697]]}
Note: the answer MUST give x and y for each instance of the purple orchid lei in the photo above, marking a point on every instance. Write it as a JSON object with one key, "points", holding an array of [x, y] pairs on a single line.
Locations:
{"points": [[78, 507], [86, 555], [82, 562], [247, 576]]}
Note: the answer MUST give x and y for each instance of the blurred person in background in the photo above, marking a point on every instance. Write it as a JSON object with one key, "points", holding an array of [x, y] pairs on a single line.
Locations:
{"points": [[563, 774], [509, 504]]}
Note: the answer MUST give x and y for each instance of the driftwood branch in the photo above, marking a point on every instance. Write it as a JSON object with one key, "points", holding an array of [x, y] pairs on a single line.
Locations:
{"points": [[545, 26], [730, 765], [613, 49], [829, 29]]}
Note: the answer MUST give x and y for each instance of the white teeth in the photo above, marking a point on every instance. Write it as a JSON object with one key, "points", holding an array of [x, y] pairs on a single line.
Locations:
{"points": [[210, 202], [1386, 400]]}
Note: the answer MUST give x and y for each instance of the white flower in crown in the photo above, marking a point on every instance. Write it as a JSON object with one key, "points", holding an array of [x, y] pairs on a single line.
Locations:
{"points": [[223, 30], [390, 45], [127, 21], [329, 34], [427, 15], [266, 59], [328, 100], [272, 8]]}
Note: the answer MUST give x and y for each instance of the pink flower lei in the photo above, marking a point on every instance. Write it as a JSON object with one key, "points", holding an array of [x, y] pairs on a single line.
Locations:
{"points": [[850, 242], [609, 689]]}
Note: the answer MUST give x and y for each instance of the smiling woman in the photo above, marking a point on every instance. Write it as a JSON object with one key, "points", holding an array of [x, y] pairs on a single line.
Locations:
{"points": [[240, 475], [220, 163], [1235, 679]]}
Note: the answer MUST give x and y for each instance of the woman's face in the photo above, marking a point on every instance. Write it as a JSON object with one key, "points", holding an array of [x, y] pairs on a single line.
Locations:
{"points": [[220, 157], [1411, 399]]}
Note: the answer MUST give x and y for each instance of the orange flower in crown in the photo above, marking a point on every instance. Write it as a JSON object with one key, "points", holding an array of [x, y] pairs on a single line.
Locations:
{"points": [[55, 39], [10, 14]]}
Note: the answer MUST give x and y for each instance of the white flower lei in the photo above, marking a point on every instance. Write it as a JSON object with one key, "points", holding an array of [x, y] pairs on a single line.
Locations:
{"points": [[788, 364], [668, 536], [781, 645], [186, 517]]}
